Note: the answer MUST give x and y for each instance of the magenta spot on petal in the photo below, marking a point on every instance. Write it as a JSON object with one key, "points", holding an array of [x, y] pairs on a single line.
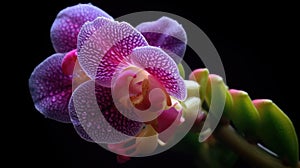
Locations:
{"points": [[168, 123], [167, 118], [68, 62]]}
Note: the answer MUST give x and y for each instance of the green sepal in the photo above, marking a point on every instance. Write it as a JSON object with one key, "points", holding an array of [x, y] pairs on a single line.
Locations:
{"points": [[277, 132], [222, 89], [181, 70], [243, 114], [201, 77]]}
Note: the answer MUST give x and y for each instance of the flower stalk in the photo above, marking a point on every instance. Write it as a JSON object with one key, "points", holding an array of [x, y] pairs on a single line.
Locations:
{"points": [[251, 153], [250, 123]]}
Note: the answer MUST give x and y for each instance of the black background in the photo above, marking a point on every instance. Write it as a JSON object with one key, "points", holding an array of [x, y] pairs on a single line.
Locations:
{"points": [[256, 42]]}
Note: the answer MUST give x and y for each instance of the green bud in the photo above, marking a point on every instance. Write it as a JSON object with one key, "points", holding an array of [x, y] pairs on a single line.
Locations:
{"points": [[216, 101], [277, 131], [201, 77], [222, 89], [243, 114]]}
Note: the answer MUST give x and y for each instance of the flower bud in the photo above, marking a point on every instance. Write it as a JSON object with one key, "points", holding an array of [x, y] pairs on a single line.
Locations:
{"points": [[244, 114], [221, 90], [201, 77], [277, 132]]}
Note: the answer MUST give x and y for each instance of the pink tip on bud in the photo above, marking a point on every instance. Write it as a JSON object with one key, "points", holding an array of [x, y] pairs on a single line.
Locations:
{"points": [[68, 62], [262, 101], [198, 74]]}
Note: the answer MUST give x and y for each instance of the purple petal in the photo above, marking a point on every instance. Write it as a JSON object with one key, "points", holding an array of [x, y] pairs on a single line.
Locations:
{"points": [[75, 120], [88, 29], [106, 44], [96, 118], [167, 34], [51, 89], [68, 22], [160, 65]]}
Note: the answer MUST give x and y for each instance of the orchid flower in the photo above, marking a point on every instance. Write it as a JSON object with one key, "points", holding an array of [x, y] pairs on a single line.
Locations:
{"points": [[112, 81], [133, 83], [120, 87]]}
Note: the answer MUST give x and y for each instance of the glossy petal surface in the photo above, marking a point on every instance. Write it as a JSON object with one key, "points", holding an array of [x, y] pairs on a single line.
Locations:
{"points": [[156, 62], [106, 44], [95, 116], [51, 89], [68, 22], [68, 62], [167, 34]]}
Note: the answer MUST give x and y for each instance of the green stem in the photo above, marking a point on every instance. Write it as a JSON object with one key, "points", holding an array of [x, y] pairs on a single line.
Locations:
{"points": [[249, 152]]}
